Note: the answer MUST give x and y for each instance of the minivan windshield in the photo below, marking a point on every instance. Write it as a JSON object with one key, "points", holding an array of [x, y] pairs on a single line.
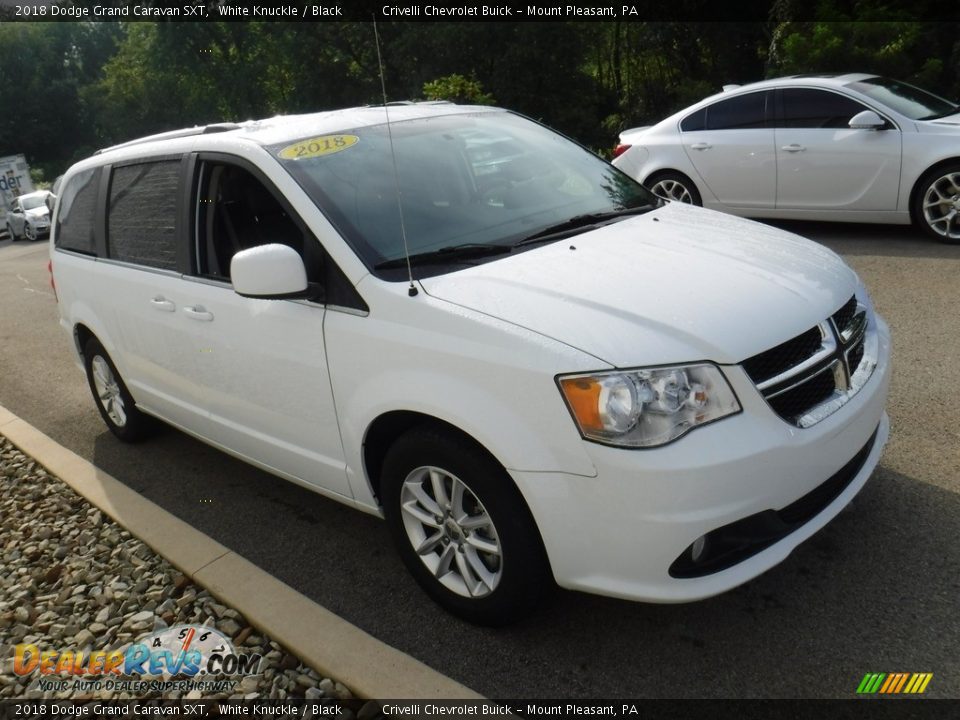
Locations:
{"points": [[472, 185], [907, 100]]}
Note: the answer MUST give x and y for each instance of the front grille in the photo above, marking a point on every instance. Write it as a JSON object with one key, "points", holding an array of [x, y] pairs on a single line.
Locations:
{"points": [[855, 356], [843, 318], [784, 356], [804, 373], [794, 403]]}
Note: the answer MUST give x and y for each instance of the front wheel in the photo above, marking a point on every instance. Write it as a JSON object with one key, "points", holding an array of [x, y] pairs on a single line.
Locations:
{"points": [[114, 401], [29, 232], [462, 528], [937, 204]]}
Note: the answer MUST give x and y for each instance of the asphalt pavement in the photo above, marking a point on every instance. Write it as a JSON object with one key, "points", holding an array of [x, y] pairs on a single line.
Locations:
{"points": [[876, 591]]}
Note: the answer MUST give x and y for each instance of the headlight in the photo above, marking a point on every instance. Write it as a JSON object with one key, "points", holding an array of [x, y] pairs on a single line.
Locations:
{"points": [[647, 407]]}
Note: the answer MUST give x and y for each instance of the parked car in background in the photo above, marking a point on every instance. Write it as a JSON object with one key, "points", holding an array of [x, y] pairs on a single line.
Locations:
{"points": [[848, 148], [534, 369], [29, 217]]}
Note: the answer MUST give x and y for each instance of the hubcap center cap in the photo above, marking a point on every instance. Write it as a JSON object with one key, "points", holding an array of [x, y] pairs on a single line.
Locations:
{"points": [[453, 530]]}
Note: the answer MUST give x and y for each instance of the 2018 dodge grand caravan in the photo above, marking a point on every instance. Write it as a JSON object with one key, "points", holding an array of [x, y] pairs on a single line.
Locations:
{"points": [[531, 367]]}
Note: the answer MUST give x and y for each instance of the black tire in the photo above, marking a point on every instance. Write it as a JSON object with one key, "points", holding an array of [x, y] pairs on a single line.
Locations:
{"points": [[521, 570], [941, 183], [683, 188], [134, 425]]}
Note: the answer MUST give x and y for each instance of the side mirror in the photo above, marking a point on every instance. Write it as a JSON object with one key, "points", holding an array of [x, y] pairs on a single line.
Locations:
{"points": [[270, 272], [867, 120]]}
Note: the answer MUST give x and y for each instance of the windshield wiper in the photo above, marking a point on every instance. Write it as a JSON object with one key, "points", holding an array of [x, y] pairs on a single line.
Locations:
{"points": [[579, 223], [446, 254]]}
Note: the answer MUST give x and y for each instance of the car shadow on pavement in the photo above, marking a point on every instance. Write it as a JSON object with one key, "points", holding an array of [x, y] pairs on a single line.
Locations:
{"points": [[874, 591]]}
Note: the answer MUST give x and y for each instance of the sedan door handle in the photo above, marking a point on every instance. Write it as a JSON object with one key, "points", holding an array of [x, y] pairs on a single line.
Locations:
{"points": [[198, 312], [701, 146], [162, 304], [793, 148]]}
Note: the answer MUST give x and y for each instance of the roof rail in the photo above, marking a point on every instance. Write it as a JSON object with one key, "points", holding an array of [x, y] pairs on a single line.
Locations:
{"points": [[416, 102], [173, 134]]}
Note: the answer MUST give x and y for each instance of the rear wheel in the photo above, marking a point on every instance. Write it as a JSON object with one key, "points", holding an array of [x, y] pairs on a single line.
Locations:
{"points": [[114, 401], [675, 186], [13, 237], [462, 528], [937, 204]]}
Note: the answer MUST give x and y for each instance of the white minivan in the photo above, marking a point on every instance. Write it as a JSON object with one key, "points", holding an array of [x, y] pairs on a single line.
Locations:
{"points": [[455, 318]]}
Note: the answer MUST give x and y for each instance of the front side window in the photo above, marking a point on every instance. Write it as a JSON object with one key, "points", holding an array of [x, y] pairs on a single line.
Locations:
{"points": [[808, 108], [479, 178], [141, 216], [78, 208], [236, 211]]}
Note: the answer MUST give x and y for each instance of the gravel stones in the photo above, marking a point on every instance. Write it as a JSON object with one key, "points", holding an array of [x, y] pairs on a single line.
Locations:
{"points": [[73, 580]]}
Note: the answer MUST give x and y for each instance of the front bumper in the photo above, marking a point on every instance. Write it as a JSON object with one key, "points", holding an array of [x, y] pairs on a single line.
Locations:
{"points": [[620, 532]]}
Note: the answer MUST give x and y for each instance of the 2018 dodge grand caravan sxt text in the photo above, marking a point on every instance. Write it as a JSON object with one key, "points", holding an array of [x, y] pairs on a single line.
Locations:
{"points": [[531, 367]]}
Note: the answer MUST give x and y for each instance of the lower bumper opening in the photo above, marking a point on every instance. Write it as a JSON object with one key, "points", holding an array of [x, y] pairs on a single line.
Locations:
{"points": [[731, 544]]}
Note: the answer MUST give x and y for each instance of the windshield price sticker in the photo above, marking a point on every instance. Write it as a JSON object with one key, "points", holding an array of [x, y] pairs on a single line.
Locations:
{"points": [[318, 146]]}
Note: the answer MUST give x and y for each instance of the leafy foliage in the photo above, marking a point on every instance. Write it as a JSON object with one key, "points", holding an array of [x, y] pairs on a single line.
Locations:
{"points": [[69, 88]]}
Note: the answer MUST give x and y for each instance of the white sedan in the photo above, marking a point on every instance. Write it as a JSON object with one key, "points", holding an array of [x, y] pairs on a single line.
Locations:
{"points": [[848, 148]]}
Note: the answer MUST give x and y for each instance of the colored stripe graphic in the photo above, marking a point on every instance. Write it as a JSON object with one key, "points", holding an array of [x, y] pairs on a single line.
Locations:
{"points": [[894, 683]]}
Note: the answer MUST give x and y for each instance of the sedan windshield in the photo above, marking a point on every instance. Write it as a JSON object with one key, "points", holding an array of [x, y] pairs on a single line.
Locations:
{"points": [[470, 185], [32, 203], [907, 100]]}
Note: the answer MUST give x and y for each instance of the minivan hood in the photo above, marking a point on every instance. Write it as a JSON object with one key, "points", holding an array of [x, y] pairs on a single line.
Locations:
{"points": [[677, 284]]}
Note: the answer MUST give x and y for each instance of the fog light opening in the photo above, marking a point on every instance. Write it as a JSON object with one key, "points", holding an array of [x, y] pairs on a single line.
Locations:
{"points": [[698, 548]]}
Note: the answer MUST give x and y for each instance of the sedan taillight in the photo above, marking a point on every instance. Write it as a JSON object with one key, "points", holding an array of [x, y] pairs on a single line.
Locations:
{"points": [[620, 149]]}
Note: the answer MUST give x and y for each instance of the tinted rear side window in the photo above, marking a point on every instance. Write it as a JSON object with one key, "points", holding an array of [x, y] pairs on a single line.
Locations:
{"points": [[141, 223], [807, 108], [739, 113], [695, 121], [78, 208]]}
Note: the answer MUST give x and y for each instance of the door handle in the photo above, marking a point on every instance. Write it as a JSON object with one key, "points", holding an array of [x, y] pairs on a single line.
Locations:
{"points": [[793, 148], [198, 312], [162, 304], [701, 146]]}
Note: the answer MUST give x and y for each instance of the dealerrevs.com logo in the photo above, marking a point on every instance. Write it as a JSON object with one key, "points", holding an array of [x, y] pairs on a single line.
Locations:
{"points": [[894, 683], [186, 652]]}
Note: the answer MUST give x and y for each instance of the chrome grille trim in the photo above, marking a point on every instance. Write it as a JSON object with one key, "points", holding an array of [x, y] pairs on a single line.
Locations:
{"points": [[828, 346], [857, 338]]}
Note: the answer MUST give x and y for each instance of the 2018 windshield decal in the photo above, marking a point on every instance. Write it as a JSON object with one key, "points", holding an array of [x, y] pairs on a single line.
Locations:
{"points": [[317, 147]]}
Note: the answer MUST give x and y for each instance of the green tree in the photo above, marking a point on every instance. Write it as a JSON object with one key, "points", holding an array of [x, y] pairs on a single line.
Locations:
{"points": [[456, 88]]}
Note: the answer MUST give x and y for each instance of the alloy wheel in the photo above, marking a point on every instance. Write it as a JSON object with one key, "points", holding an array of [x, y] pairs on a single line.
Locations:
{"points": [[451, 532], [941, 206], [670, 189], [108, 391]]}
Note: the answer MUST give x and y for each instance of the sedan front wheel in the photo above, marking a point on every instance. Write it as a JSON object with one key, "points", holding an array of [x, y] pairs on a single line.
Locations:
{"points": [[938, 204]]}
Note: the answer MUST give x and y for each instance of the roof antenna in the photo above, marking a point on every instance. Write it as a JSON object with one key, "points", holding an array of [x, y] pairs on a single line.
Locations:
{"points": [[412, 290]]}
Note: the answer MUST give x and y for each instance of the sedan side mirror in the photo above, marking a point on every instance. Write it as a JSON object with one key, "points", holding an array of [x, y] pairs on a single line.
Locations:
{"points": [[271, 272], [867, 120]]}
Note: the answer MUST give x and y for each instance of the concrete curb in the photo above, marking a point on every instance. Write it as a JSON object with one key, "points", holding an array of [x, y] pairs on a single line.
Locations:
{"points": [[323, 640]]}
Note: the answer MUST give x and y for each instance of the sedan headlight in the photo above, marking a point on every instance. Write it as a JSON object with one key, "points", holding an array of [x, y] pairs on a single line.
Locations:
{"points": [[647, 407]]}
